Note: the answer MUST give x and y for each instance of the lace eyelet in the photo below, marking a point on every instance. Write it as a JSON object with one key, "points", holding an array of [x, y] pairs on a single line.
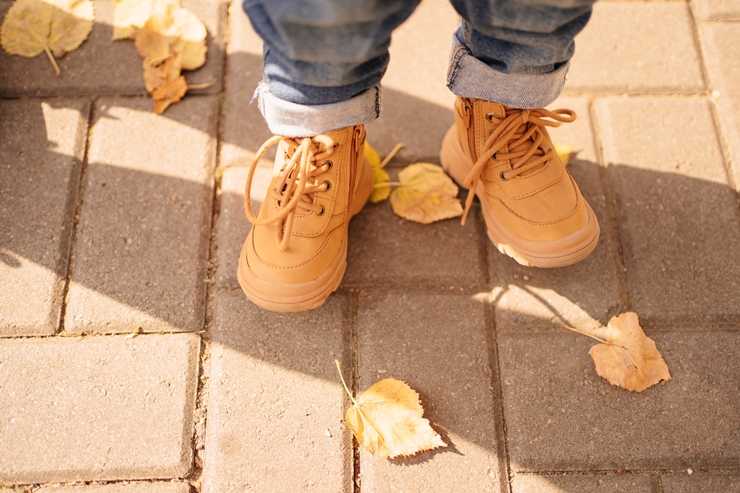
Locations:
{"points": [[495, 156], [321, 213], [328, 185], [491, 116], [329, 165], [503, 176]]}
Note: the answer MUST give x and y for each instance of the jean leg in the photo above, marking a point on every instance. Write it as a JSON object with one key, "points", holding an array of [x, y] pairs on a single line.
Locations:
{"points": [[323, 60], [515, 52]]}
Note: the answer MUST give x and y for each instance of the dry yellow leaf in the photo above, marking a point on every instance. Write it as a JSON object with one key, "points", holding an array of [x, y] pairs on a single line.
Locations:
{"points": [[171, 39], [32, 27], [380, 176], [627, 357], [387, 420], [129, 16], [425, 194], [172, 29], [191, 41], [563, 152], [164, 82]]}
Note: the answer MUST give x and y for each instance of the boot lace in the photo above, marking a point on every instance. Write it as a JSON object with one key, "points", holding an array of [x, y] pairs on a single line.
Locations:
{"points": [[306, 161], [522, 131]]}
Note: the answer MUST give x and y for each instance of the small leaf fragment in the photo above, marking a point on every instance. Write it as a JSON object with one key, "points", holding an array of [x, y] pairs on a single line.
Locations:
{"points": [[387, 420], [380, 176], [372, 156], [563, 151], [32, 27], [628, 358], [425, 194]]}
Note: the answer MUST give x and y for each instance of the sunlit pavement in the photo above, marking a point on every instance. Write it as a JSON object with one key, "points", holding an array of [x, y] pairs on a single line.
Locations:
{"points": [[130, 360]]}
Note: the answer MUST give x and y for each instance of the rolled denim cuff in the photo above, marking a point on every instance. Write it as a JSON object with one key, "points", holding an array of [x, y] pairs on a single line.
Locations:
{"points": [[468, 77], [300, 120]]}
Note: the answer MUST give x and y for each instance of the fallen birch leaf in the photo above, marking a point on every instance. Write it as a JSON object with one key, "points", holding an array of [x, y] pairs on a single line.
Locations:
{"points": [[32, 27], [380, 176], [387, 420], [627, 357], [129, 16], [563, 151], [425, 194]]}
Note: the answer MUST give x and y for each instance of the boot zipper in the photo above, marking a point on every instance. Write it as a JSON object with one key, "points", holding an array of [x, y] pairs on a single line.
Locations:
{"points": [[468, 109], [353, 167]]}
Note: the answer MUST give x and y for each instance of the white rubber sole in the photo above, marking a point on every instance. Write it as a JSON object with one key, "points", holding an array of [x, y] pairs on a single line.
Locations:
{"points": [[546, 254]]}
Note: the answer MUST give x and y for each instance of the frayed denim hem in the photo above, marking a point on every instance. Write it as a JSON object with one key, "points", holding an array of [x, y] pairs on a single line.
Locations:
{"points": [[469, 77], [298, 120]]}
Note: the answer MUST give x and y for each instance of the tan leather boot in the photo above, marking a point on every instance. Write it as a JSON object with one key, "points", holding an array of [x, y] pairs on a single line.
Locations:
{"points": [[295, 255], [533, 208]]}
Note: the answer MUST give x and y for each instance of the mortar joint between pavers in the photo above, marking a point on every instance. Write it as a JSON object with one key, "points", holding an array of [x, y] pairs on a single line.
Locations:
{"points": [[610, 208], [79, 200]]}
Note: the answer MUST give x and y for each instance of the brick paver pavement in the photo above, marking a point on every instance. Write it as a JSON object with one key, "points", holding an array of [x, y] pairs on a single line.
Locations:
{"points": [[114, 221]]}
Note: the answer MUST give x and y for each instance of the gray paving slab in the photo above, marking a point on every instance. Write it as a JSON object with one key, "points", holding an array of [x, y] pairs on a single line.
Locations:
{"points": [[561, 416], [437, 344], [700, 482], [656, 53], [276, 403], [717, 10], [144, 230], [721, 44], [233, 225], [387, 249], [629, 483], [158, 487], [101, 66], [678, 217], [244, 129], [582, 295], [417, 106], [42, 149], [97, 408]]}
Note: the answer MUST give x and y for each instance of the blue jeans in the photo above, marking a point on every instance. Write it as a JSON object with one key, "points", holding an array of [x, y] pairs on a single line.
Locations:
{"points": [[324, 59]]}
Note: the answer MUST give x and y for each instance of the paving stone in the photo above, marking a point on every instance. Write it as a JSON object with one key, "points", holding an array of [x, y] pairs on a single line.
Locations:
{"points": [[101, 66], [717, 10], [97, 408], [561, 416], [436, 343], [42, 149], [275, 406], [678, 218], [657, 53], [144, 230], [699, 483], [721, 43], [244, 128], [581, 295], [386, 249], [159, 487], [531, 483], [415, 84], [233, 226]]}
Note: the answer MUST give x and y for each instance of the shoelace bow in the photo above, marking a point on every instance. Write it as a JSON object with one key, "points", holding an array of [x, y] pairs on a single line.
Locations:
{"points": [[521, 131], [298, 184]]}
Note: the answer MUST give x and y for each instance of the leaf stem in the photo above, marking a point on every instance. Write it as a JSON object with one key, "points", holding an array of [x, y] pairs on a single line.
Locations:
{"points": [[391, 155], [586, 334], [52, 60], [339, 369], [204, 85], [388, 184]]}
